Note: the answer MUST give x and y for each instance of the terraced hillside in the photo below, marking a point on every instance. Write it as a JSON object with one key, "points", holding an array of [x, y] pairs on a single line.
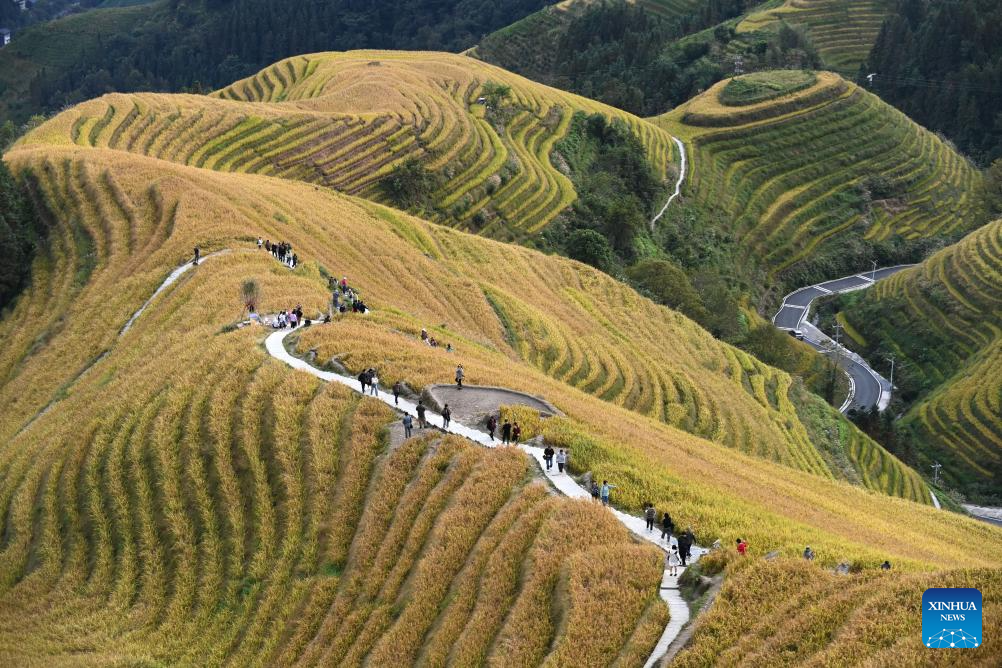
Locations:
{"points": [[809, 182], [521, 46], [798, 602], [843, 31], [171, 493], [347, 120], [943, 322]]}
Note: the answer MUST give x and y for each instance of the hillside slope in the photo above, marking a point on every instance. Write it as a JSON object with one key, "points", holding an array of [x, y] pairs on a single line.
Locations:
{"points": [[816, 180], [843, 31], [172, 46], [348, 120], [942, 320], [217, 503]]}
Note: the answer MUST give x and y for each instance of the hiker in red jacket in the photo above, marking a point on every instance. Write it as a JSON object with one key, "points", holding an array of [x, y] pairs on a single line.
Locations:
{"points": [[742, 547]]}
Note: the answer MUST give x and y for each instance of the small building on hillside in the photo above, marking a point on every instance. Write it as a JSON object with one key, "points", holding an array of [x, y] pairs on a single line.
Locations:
{"points": [[4, 37]]}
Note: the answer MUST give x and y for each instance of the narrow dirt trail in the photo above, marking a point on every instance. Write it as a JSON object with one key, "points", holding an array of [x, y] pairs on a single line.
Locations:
{"points": [[564, 483]]}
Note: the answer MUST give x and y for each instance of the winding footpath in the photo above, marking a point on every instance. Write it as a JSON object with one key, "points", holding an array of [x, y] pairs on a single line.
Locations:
{"points": [[565, 484], [678, 184], [867, 388]]}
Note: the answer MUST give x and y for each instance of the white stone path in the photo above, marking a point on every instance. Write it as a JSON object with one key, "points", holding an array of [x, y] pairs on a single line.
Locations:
{"points": [[564, 483]]}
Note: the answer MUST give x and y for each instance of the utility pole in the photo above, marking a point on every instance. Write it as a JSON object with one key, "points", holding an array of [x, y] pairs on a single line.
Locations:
{"points": [[873, 276], [891, 357], [838, 345], [936, 466]]}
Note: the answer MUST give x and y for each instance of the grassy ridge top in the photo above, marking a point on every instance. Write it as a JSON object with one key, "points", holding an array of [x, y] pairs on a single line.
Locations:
{"points": [[843, 31], [820, 180], [943, 322], [347, 120]]}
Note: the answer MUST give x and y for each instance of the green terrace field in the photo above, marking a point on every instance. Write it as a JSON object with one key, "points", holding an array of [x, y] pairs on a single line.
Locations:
{"points": [[843, 31], [943, 322], [347, 120], [807, 181]]}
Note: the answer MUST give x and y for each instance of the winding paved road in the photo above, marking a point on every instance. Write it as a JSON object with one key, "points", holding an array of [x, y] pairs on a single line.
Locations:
{"points": [[867, 388]]}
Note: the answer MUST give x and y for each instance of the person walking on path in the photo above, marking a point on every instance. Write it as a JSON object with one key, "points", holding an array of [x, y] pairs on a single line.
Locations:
{"points": [[459, 377], [492, 425], [373, 383], [594, 491], [506, 433], [397, 390], [650, 516], [548, 457], [667, 527], [420, 415], [198, 254], [673, 561], [363, 380], [408, 425], [344, 285], [685, 542], [260, 243], [742, 547], [808, 554], [606, 489], [516, 433], [561, 460], [446, 417], [294, 320]]}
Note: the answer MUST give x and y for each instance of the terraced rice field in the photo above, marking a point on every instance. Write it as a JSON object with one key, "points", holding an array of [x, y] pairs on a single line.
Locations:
{"points": [[791, 173], [797, 604], [843, 31], [171, 494], [943, 321], [347, 120]]}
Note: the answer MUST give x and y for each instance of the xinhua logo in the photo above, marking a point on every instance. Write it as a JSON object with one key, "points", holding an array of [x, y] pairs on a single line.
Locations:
{"points": [[951, 618]]}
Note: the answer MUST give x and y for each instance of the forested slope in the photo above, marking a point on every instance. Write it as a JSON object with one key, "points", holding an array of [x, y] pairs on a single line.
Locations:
{"points": [[173, 45], [941, 63]]}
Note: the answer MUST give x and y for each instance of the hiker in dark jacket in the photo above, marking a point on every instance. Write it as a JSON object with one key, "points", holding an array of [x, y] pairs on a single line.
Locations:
{"points": [[548, 457], [492, 425], [446, 416], [420, 415], [506, 432], [594, 491], [397, 390], [685, 542], [667, 527], [650, 516], [363, 379]]}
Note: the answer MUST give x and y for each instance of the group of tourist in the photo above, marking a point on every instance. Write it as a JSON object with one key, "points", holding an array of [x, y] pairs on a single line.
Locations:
{"points": [[281, 250], [511, 433], [369, 382], [344, 298], [290, 318], [433, 342], [561, 456]]}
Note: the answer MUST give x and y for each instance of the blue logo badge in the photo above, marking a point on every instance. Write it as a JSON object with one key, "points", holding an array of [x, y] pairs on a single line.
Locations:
{"points": [[951, 618]]}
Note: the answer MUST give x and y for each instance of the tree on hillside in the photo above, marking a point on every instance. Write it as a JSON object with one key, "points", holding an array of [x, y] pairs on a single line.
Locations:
{"points": [[250, 293], [592, 248]]}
